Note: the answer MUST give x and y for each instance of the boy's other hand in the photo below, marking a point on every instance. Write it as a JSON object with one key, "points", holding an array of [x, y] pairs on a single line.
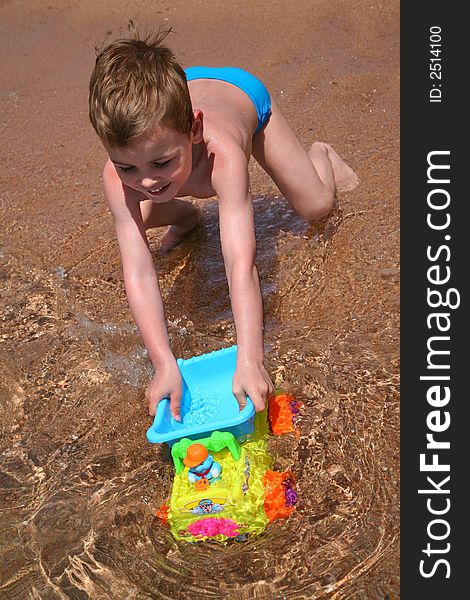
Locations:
{"points": [[166, 383], [252, 380]]}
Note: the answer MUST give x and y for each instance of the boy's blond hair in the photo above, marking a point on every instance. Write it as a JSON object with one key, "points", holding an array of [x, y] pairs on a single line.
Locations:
{"points": [[136, 85]]}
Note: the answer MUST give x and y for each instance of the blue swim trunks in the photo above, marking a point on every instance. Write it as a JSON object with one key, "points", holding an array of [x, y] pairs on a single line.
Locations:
{"points": [[242, 79]]}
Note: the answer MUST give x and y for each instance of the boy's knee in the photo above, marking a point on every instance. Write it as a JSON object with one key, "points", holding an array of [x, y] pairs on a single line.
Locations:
{"points": [[319, 208]]}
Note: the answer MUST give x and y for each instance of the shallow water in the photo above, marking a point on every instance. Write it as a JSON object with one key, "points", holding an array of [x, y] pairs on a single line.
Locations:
{"points": [[79, 483]]}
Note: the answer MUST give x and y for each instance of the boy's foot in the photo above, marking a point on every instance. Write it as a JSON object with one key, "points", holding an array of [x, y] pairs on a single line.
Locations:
{"points": [[345, 178], [177, 233]]}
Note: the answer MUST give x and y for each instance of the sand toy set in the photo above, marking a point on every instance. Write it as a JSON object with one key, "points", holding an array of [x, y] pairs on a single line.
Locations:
{"points": [[223, 486]]}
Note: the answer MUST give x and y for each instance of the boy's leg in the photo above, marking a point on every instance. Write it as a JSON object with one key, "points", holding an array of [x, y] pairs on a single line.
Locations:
{"points": [[182, 216], [307, 179]]}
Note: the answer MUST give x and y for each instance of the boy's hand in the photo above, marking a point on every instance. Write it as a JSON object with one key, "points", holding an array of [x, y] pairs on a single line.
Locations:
{"points": [[166, 383], [252, 380]]}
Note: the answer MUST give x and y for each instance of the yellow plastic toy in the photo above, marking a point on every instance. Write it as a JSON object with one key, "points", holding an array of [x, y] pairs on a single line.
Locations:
{"points": [[242, 498]]}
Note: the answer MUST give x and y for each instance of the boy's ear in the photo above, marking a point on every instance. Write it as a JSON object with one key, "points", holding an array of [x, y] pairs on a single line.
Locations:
{"points": [[198, 126]]}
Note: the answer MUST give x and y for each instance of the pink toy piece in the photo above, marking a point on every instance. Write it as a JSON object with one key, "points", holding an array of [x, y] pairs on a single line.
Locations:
{"points": [[211, 527]]}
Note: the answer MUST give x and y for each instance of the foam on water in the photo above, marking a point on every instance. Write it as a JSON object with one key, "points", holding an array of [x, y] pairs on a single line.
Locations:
{"points": [[203, 409]]}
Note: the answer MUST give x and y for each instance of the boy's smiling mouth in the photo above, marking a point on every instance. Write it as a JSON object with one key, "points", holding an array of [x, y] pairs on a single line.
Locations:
{"points": [[157, 191]]}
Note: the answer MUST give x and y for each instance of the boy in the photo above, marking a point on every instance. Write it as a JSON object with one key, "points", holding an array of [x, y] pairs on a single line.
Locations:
{"points": [[171, 133]]}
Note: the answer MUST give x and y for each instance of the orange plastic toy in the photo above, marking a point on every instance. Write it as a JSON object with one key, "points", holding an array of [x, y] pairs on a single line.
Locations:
{"points": [[281, 412], [279, 495], [202, 484], [162, 512]]}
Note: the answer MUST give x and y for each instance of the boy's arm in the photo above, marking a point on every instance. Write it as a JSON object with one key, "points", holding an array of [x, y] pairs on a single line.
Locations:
{"points": [[142, 289], [237, 235]]}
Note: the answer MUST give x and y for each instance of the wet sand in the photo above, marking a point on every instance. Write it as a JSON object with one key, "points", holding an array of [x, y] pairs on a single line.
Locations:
{"points": [[79, 483]]}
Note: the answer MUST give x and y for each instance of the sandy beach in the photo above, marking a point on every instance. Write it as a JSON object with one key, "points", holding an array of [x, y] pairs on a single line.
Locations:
{"points": [[79, 483]]}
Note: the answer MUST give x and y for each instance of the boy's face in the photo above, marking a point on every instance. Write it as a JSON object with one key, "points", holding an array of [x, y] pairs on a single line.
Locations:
{"points": [[158, 164]]}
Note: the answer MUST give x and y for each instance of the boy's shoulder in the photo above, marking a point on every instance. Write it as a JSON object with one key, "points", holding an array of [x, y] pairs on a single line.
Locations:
{"points": [[226, 140]]}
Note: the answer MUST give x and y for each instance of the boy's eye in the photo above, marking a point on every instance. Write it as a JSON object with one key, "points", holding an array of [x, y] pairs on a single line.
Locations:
{"points": [[156, 164], [162, 164]]}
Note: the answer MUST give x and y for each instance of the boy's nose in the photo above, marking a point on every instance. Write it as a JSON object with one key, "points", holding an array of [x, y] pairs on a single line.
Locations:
{"points": [[148, 182]]}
